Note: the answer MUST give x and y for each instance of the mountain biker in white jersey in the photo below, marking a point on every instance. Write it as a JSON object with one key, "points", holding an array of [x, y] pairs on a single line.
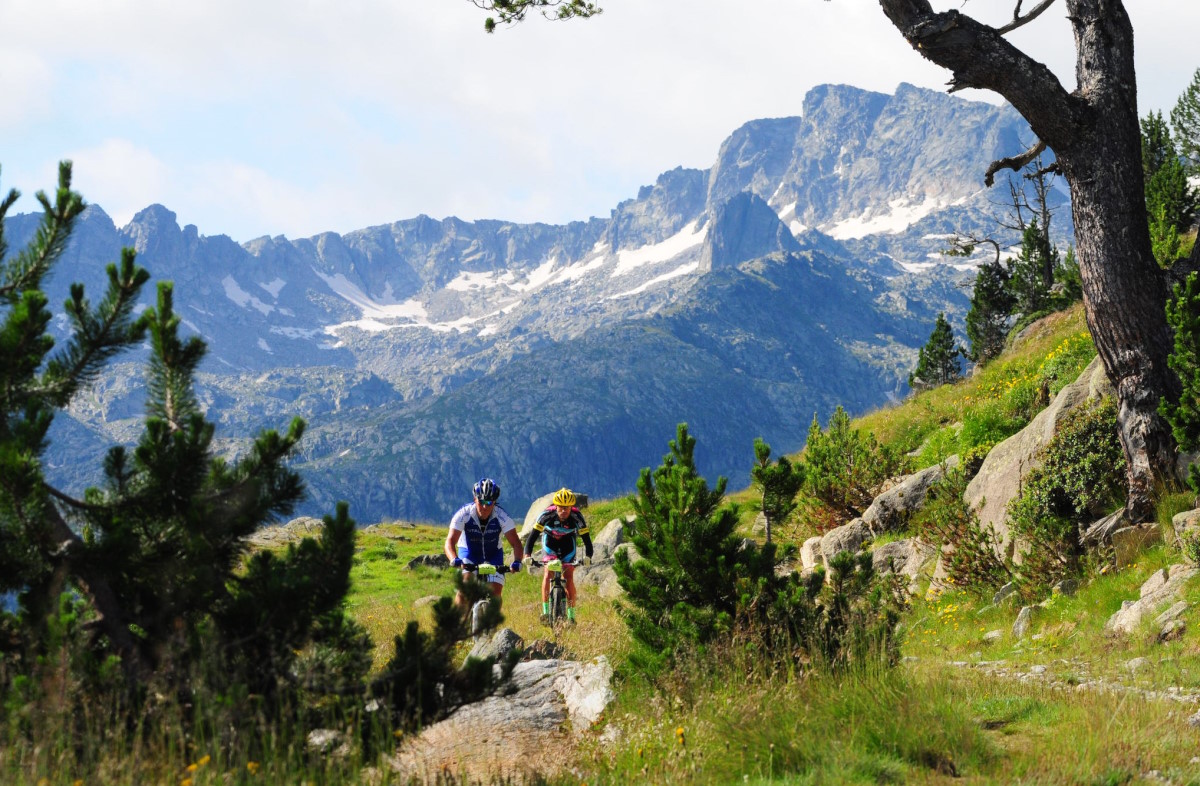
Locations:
{"points": [[558, 526], [474, 536]]}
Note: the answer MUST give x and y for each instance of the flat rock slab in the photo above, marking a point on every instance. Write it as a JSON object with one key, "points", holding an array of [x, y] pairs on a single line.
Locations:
{"points": [[529, 732], [1162, 588]]}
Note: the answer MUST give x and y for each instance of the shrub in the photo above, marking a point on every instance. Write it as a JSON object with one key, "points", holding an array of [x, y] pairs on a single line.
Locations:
{"points": [[970, 553], [1081, 475], [844, 466], [698, 584]]}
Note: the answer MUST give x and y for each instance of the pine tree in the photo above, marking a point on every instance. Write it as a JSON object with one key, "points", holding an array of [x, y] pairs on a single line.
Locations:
{"points": [[681, 591], [1170, 200], [937, 361], [1068, 277], [1031, 274], [1165, 239], [990, 313], [843, 466], [779, 483], [1183, 314], [1185, 122], [157, 550]]}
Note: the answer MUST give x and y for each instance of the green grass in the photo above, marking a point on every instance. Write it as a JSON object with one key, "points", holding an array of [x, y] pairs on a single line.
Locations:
{"points": [[995, 401], [941, 717]]}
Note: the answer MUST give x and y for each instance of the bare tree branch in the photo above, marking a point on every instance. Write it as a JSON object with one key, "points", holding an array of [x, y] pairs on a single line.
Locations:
{"points": [[1019, 20], [1015, 163], [962, 244], [979, 56]]}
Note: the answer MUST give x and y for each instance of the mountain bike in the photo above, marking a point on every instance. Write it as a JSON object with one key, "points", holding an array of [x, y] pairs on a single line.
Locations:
{"points": [[558, 590], [483, 569]]}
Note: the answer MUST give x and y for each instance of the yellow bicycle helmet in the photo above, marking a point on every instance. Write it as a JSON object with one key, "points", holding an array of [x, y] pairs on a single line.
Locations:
{"points": [[564, 497]]}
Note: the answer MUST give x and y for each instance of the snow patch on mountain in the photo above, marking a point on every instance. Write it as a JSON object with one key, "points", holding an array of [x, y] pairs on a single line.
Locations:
{"points": [[580, 269], [274, 286], [682, 270], [902, 215], [690, 236], [538, 276], [369, 307], [468, 281], [243, 298]]}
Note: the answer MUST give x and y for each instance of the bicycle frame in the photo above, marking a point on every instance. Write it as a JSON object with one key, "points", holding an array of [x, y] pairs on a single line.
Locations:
{"points": [[558, 591]]}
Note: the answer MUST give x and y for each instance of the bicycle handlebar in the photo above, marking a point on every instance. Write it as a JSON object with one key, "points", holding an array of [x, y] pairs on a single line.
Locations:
{"points": [[484, 568], [551, 562]]}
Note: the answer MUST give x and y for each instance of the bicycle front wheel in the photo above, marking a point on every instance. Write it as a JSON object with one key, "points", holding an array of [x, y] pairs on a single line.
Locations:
{"points": [[558, 604]]}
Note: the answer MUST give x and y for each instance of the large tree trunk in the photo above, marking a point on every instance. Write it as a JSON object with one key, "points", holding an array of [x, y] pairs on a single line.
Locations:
{"points": [[1095, 136]]}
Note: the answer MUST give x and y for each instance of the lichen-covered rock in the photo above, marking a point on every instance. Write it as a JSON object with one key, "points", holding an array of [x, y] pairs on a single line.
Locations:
{"points": [[892, 509], [999, 477], [547, 706], [848, 537]]}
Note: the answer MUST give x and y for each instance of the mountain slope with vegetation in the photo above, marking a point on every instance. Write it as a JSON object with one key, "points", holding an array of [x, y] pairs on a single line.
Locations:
{"points": [[967, 699]]}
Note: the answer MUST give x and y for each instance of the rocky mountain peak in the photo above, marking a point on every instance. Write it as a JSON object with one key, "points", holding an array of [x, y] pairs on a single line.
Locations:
{"points": [[744, 228]]}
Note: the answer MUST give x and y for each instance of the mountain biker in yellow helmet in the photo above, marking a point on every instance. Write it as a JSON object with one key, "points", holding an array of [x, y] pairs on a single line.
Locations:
{"points": [[558, 525]]}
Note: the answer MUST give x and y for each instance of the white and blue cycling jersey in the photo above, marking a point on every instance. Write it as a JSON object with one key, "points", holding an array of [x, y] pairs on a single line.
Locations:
{"points": [[480, 540]]}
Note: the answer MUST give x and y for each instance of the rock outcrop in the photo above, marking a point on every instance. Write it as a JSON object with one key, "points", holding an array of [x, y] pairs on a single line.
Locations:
{"points": [[548, 706], [1157, 591], [999, 477], [891, 510]]}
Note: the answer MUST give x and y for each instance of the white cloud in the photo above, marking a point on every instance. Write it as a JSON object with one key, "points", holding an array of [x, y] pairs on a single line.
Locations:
{"points": [[25, 82], [117, 175], [281, 117]]}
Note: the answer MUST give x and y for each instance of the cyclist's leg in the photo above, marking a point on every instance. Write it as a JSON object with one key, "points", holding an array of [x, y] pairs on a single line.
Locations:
{"points": [[548, 554], [569, 578], [569, 575]]}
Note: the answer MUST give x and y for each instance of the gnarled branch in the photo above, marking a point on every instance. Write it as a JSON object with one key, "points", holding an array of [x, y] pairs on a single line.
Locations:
{"points": [[1015, 163], [1019, 20]]}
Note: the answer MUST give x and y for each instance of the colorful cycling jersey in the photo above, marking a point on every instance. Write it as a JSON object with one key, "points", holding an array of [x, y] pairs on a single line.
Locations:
{"points": [[558, 536], [480, 541]]}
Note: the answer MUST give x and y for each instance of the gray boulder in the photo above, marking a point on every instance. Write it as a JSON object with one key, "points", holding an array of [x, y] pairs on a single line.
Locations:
{"points": [[497, 646], [629, 549], [281, 535], [891, 510], [999, 478], [1158, 590], [547, 706], [1129, 542], [535, 510], [607, 540], [848, 537], [1187, 527], [429, 561], [810, 553], [600, 578], [1023, 623], [904, 557]]}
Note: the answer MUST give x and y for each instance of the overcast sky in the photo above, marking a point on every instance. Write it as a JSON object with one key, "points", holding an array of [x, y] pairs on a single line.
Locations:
{"points": [[270, 117]]}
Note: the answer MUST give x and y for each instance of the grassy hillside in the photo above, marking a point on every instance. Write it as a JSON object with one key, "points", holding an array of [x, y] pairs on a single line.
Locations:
{"points": [[1069, 703], [970, 702]]}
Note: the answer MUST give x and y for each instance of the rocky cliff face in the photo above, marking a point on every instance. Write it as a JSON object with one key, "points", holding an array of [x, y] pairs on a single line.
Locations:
{"points": [[798, 272]]}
